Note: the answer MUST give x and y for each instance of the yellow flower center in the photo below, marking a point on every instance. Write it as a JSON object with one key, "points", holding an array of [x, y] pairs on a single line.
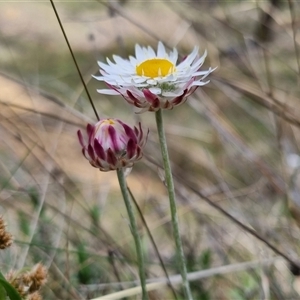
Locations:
{"points": [[108, 122], [105, 122], [156, 67]]}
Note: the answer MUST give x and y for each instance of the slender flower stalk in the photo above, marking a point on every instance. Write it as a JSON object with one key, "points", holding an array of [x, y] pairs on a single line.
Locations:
{"points": [[173, 207], [134, 231], [109, 145]]}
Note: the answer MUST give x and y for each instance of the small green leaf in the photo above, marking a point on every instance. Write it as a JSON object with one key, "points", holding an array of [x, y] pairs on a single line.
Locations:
{"points": [[2, 276], [2, 293], [10, 291]]}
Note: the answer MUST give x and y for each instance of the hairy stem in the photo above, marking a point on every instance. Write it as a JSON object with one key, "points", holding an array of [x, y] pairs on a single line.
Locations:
{"points": [[134, 231], [173, 207]]}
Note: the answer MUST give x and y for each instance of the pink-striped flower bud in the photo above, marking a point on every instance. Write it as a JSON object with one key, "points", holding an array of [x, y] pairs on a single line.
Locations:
{"points": [[112, 144]]}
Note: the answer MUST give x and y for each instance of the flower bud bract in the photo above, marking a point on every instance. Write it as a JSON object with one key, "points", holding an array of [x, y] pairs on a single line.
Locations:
{"points": [[111, 144]]}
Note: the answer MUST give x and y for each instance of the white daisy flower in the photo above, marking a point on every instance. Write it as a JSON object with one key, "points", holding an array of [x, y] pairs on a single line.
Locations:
{"points": [[150, 80]]}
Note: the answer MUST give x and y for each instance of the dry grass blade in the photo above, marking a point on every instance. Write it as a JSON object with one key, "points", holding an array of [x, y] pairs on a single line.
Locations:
{"points": [[176, 279], [278, 107]]}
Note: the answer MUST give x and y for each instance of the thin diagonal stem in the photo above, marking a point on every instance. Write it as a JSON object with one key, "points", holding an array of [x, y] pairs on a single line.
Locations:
{"points": [[74, 60], [173, 207], [134, 231]]}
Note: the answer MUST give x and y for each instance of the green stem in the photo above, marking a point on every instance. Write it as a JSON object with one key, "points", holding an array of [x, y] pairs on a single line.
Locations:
{"points": [[134, 231], [171, 192]]}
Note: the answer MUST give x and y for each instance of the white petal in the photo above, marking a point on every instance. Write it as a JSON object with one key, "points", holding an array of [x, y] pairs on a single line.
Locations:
{"points": [[200, 61], [170, 77], [124, 79], [161, 51], [145, 52], [193, 54], [120, 61], [151, 53], [106, 67], [140, 85], [110, 76], [199, 83], [173, 56], [172, 94], [201, 73], [102, 65], [139, 53], [107, 92], [189, 59], [102, 72], [111, 82], [138, 79], [110, 63], [151, 81], [100, 78], [133, 61], [211, 70], [155, 90]]}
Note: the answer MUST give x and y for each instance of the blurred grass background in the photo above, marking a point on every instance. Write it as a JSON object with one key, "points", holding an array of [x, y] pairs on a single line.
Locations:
{"points": [[236, 141]]}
